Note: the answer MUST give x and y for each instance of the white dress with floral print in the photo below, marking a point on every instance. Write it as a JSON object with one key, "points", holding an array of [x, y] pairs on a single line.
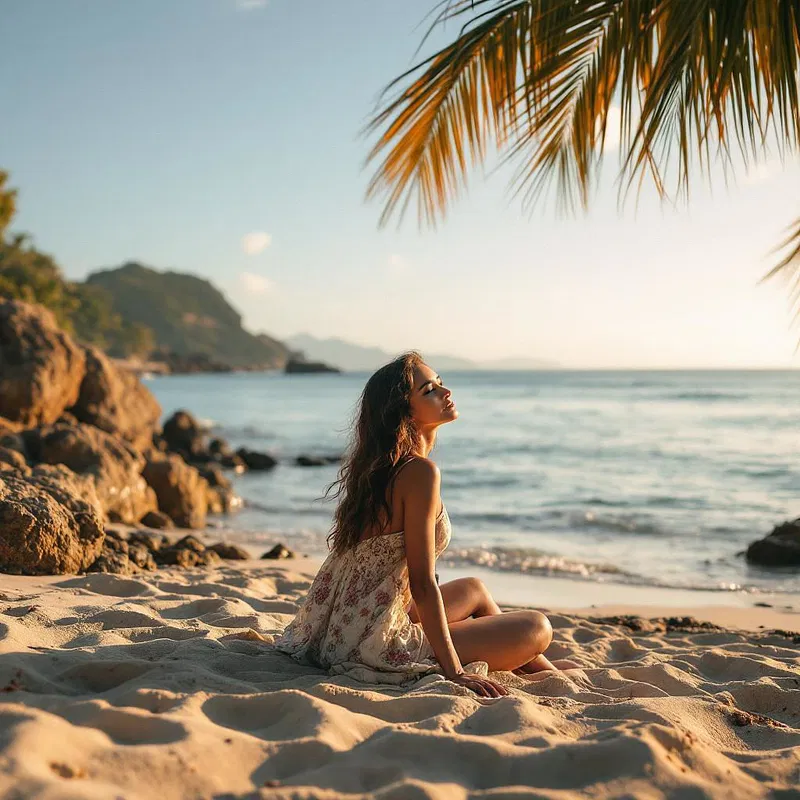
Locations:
{"points": [[353, 620]]}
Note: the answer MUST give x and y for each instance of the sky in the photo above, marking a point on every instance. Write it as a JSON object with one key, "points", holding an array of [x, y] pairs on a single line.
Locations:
{"points": [[224, 138]]}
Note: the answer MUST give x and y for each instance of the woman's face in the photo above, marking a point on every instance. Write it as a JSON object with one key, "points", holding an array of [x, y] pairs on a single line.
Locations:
{"points": [[431, 403]]}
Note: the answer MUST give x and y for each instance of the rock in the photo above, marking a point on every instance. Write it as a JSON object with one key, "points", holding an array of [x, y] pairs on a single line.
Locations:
{"points": [[8, 426], [14, 459], [117, 545], [152, 540], [116, 401], [234, 462], [117, 533], [141, 556], [182, 493], [279, 551], [255, 460], [780, 549], [221, 497], [184, 435], [50, 522], [113, 561], [187, 552], [310, 461], [115, 466], [230, 551], [219, 448], [41, 367], [157, 519]]}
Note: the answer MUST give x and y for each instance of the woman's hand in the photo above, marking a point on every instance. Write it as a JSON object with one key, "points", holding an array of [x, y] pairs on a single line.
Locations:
{"points": [[480, 685]]}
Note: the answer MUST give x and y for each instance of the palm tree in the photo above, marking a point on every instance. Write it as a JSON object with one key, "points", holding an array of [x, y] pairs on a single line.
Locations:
{"points": [[690, 83]]}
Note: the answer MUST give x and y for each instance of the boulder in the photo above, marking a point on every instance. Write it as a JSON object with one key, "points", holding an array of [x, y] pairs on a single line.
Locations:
{"points": [[184, 435], [115, 466], [152, 540], [780, 549], [157, 519], [13, 459], [116, 401], [279, 551], [113, 561], [255, 460], [187, 552], [51, 522], [230, 551], [181, 491], [221, 497], [41, 367]]}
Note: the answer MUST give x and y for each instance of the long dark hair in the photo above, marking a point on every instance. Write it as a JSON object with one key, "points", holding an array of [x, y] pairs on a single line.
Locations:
{"points": [[383, 438]]}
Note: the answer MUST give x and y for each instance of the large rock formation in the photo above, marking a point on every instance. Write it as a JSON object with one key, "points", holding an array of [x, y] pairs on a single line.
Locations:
{"points": [[113, 464], [780, 549], [115, 401], [50, 522], [41, 368], [182, 492]]}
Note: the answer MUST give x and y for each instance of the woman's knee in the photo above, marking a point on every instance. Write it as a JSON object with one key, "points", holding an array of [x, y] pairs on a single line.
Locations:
{"points": [[538, 629]]}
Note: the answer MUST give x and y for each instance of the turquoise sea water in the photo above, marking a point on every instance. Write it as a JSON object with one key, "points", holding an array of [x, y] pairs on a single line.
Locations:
{"points": [[642, 478]]}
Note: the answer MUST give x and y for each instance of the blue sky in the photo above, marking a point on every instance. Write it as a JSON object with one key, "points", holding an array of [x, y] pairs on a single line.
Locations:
{"points": [[221, 137]]}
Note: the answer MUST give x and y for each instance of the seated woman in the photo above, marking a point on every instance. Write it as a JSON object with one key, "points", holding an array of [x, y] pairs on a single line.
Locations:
{"points": [[375, 610]]}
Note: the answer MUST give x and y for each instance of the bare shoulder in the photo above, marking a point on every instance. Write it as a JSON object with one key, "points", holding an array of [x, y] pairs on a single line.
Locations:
{"points": [[421, 474]]}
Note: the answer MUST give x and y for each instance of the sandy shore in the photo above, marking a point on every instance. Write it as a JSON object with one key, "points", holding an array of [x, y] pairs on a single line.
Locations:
{"points": [[166, 686]]}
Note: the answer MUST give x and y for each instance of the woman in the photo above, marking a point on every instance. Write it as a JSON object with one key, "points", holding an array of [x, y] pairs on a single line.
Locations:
{"points": [[375, 610]]}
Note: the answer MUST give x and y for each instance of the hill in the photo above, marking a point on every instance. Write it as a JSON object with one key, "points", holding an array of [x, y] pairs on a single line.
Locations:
{"points": [[187, 315], [359, 358]]}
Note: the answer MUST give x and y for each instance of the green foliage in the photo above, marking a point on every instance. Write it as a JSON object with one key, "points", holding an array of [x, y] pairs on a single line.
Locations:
{"points": [[187, 314], [83, 311]]}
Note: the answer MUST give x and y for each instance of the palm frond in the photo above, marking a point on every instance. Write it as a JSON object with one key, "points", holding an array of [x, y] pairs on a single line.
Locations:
{"points": [[697, 81], [788, 268]]}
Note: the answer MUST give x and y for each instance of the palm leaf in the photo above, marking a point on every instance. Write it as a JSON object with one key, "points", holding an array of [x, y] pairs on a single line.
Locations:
{"points": [[697, 82]]}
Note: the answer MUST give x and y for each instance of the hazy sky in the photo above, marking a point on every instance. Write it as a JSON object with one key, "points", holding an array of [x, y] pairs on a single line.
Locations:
{"points": [[221, 137]]}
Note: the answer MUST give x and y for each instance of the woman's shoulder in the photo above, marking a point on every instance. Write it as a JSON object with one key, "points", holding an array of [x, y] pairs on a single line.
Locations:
{"points": [[418, 473]]}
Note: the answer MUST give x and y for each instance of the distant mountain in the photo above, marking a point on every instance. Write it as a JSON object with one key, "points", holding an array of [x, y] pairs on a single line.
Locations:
{"points": [[358, 358], [188, 316]]}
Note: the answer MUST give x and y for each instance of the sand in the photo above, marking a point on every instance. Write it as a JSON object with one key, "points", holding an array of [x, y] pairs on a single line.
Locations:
{"points": [[166, 686]]}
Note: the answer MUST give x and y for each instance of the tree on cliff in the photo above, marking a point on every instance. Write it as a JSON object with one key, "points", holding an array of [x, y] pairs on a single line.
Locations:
{"points": [[85, 311], [687, 83]]}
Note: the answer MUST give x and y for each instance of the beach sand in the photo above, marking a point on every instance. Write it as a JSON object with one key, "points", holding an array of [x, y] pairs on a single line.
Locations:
{"points": [[165, 685]]}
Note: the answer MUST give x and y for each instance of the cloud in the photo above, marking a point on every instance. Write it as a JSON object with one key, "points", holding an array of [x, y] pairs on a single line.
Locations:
{"points": [[255, 242], [250, 5], [255, 284]]}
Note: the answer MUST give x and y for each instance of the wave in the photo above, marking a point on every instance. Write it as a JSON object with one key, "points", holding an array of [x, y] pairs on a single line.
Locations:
{"points": [[617, 524]]}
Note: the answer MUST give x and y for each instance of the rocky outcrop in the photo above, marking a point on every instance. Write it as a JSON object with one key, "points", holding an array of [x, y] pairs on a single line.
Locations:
{"points": [[184, 436], [157, 519], [232, 552], [50, 522], [298, 365], [113, 464], [181, 491], [780, 549], [115, 401], [255, 460], [41, 368], [187, 552]]}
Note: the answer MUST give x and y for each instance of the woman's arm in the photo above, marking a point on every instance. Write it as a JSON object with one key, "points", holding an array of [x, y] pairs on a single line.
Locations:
{"points": [[420, 494]]}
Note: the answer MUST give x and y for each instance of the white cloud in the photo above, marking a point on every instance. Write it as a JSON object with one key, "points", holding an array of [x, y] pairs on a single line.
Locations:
{"points": [[255, 284], [249, 5], [255, 242], [397, 265]]}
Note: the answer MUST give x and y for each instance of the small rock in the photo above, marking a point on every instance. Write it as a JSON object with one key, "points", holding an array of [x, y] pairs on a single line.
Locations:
{"points": [[140, 555], [112, 561], [190, 542], [311, 461], [255, 460], [230, 551], [279, 551], [181, 557], [157, 519], [150, 539]]}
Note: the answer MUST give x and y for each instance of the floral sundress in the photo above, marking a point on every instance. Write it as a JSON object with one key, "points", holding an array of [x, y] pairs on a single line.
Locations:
{"points": [[353, 621]]}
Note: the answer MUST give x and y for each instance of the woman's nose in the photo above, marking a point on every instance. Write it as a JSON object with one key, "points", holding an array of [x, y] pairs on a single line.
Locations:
{"points": [[447, 392]]}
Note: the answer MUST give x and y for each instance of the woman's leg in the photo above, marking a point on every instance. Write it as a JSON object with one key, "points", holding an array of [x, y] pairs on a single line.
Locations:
{"points": [[466, 598]]}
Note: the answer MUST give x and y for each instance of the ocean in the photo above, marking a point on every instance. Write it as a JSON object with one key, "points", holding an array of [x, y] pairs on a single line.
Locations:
{"points": [[651, 479]]}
